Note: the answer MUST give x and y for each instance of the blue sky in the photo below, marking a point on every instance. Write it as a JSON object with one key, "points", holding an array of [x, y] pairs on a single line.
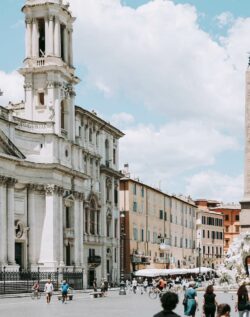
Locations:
{"points": [[170, 76]]}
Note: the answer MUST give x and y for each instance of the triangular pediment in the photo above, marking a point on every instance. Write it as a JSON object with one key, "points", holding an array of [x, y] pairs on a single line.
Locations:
{"points": [[8, 147]]}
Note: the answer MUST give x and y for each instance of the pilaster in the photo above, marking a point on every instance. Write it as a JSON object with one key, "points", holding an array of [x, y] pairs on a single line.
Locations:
{"points": [[3, 221], [10, 221], [51, 36], [48, 252], [28, 46], [35, 52]]}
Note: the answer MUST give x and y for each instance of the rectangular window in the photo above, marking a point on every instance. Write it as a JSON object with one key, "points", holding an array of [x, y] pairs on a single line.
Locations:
{"points": [[67, 217], [161, 214], [227, 228], [142, 234], [116, 228], [165, 216], [41, 98], [135, 206], [203, 233], [237, 218], [226, 217], [135, 233], [134, 189], [142, 191], [237, 229], [204, 250], [114, 156]]}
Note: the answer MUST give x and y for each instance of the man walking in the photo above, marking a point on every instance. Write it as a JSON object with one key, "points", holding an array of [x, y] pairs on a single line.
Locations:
{"points": [[64, 290], [48, 289]]}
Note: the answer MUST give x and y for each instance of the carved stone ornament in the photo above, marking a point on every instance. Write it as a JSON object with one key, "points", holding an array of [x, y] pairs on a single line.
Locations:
{"points": [[28, 20], [12, 181], [108, 182], [19, 229], [78, 195], [3, 180], [50, 189]]}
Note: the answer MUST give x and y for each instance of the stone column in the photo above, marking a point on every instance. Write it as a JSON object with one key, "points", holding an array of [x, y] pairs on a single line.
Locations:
{"points": [[10, 221], [46, 35], [61, 233], [48, 250], [71, 47], [81, 228], [57, 38], [35, 47], [77, 228], [28, 47], [66, 45], [32, 256], [51, 36], [3, 221]]}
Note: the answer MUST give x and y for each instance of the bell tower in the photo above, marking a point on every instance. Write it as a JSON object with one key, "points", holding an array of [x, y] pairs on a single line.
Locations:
{"points": [[48, 65]]}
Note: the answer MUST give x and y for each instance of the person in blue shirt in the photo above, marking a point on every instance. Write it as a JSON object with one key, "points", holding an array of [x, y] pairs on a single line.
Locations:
{"points": [[64, 290]]}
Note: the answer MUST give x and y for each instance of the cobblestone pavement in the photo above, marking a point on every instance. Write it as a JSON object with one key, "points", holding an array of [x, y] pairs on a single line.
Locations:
{"points": [[82, 305]]}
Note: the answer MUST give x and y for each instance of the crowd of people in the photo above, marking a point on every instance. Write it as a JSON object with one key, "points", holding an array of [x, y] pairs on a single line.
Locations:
{"points": [[210, 305]]}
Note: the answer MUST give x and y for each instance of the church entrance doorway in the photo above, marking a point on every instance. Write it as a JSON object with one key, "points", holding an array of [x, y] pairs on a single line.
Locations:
{"points": [[91, 277], [19, 254]]}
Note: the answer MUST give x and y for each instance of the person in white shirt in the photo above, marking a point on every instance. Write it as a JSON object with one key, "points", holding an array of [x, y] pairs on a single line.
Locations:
{"points": [[134, 285], [48, 289]]}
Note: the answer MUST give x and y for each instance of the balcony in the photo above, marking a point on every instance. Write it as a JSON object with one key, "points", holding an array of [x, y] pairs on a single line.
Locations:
{"points": [[140, 259], [161, 260], [94, 260], [69, 233]]}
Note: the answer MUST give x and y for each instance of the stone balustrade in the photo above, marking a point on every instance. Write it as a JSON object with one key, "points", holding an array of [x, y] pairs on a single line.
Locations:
{"points": [[34, 126]]}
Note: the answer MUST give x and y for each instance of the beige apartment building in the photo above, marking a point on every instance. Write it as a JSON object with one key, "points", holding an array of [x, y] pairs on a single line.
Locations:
{"points": [[158, 229], [210, 234]]}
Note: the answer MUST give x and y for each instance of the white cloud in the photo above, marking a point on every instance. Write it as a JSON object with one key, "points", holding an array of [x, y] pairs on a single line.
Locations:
{"points": [[224, 19], [214, 185], [12, 86], [157, 56], [122, 120], [166, 153]]}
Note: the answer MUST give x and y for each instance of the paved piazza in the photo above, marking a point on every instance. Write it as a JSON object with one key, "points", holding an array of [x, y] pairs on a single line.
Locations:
{"points": [[82, 305]]}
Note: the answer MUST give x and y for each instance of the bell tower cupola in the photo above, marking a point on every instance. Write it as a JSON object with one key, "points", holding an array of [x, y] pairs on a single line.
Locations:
{"points": [[48, 65]]}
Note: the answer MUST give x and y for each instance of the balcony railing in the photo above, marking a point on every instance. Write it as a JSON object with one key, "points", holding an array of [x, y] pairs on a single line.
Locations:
{"points": [[140, 259], [161, 260], [94, 259]]}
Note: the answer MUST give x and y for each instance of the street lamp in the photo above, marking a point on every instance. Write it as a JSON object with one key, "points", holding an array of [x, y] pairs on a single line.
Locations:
{"points": [[122, 235], [199, 258]]}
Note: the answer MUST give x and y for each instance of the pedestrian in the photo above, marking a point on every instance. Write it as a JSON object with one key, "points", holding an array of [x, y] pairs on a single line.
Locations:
{"points": [[64, 291], [102, 286], [190, 300], [145, 285], [48, 289], [209, 304], [134, 285], [242, 304], [223, 310], [169, 300], [106, 286], [94, 285]]}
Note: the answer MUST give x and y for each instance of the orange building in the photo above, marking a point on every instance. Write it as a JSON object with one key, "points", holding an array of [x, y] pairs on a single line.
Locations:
{"points": [[231, 213]]}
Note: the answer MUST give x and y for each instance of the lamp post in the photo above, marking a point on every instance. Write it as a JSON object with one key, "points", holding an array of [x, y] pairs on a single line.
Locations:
{"points": [[199, 258], [122, 290]]}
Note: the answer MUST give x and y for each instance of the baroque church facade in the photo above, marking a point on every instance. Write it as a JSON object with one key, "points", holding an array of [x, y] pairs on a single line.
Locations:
{"points": [[59, 177]]}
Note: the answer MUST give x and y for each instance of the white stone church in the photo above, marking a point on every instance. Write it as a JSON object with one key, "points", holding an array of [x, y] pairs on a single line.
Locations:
{"points": [[59, 173]]}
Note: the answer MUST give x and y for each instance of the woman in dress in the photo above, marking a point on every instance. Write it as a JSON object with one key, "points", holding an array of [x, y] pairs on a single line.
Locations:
{"points": [[191, 300], [209, 306]]}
